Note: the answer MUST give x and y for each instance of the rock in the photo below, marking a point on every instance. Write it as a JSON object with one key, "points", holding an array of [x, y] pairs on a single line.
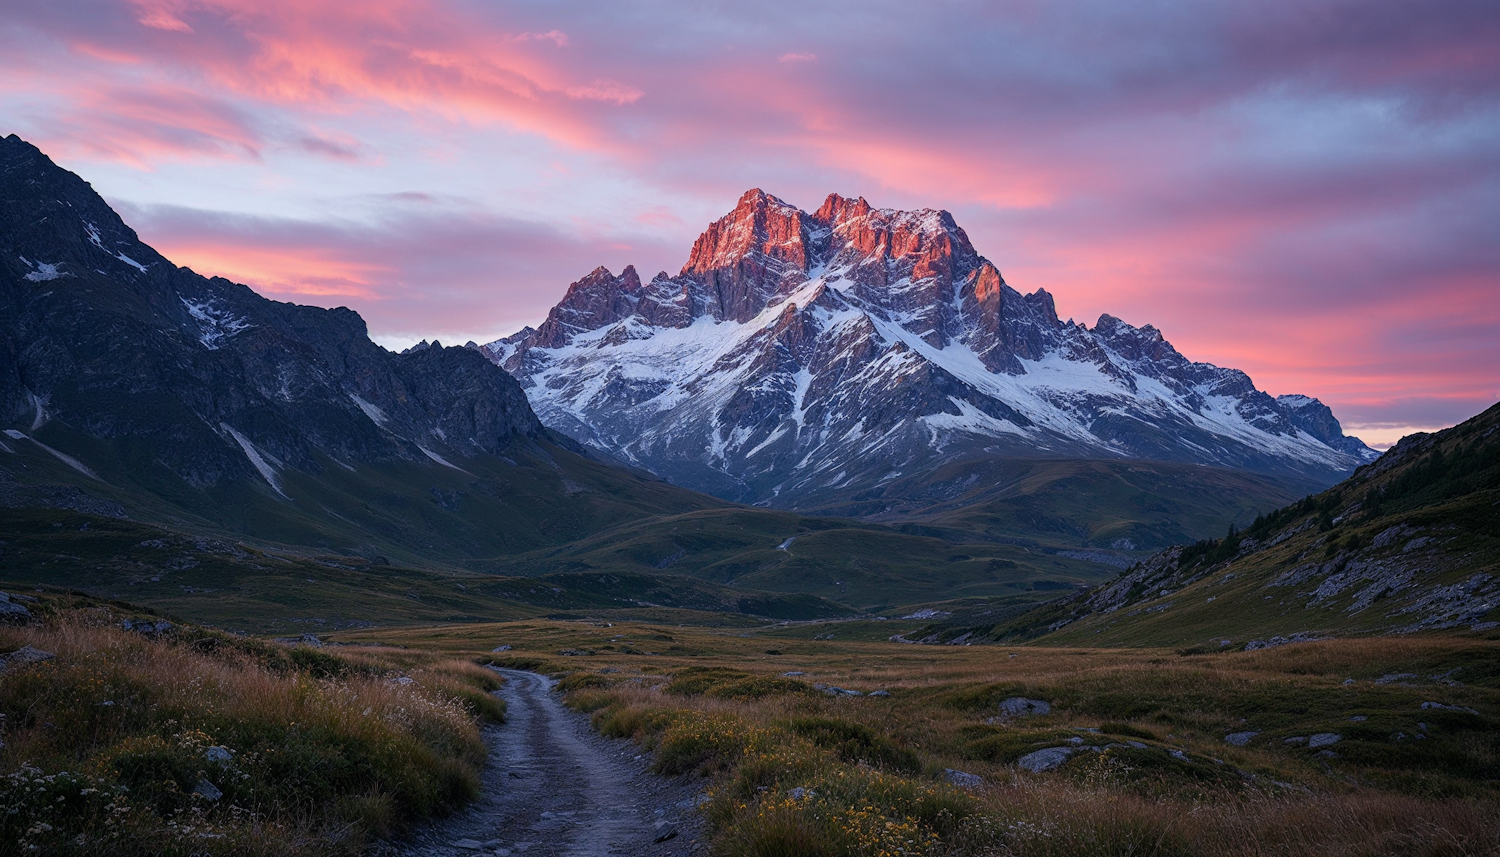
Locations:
{"points": [[880, 693], [303, 640], [1390, 678], [504, 648], [1441, 707], [1177, 754], [793, 674], [1239, 739], [664, 830], [207, 790], [799, 793], [1045, 760], [1020, 706], [218, 755], [146, 626], [1299, 637], [1324, 739], [962, 779], [1391, 535], [1348, 681], [467, 844], [1295, 740], [12, 612], [1358, 718], [403, 680], [23, 656]]}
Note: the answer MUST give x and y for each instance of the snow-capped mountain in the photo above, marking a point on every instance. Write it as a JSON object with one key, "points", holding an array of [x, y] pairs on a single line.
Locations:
{"points": [[800, 357]]}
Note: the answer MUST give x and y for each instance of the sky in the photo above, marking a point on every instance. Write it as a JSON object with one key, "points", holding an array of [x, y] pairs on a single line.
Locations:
{"points": [[1308, 190]]}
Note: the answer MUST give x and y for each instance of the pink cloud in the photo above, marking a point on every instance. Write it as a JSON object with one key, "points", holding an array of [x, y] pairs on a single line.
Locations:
{"points": [[1305, 190]]}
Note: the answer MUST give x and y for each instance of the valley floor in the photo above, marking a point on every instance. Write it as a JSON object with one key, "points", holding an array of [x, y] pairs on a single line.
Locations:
{"points": [[1374, 746]]}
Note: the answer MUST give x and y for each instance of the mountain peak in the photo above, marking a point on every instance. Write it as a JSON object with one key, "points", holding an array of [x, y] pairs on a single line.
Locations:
{"points": [[804, 356], [838, 209]]}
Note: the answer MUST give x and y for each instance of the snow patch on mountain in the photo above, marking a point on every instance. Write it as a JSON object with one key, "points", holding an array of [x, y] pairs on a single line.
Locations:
{"points": [[257, 459], [215, 324]]}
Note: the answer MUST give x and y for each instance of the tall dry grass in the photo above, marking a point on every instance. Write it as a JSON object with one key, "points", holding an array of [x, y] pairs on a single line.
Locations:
{"points": [[119, 744], [798, 775]]}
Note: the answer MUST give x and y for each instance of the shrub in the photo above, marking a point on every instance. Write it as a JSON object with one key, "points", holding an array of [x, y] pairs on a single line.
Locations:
{"points": [[856, 742]]}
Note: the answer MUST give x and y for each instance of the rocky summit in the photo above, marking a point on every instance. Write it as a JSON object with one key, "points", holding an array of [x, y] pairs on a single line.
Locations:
{"points": [[800, 358]]}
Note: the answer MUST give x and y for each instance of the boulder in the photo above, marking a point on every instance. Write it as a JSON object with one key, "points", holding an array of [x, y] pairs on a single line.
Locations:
{"points": [[12, 612], [1324, 739], [1239, 739], [218, 755], [962, 779], [207, 790], [1020, 706], [1046, 760], [22, 656]]}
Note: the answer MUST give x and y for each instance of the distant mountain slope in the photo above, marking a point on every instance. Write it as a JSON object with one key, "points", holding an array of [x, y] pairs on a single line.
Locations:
{"points": [[1408, 543], [801, 358], [1128, 505]]}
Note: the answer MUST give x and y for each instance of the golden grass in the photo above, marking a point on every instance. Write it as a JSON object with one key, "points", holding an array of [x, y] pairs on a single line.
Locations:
{"points": [[1436, 796], [105, 745]]}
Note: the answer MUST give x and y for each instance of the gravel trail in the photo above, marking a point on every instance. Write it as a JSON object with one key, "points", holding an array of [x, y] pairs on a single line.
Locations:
{"points": [[555, 788]]}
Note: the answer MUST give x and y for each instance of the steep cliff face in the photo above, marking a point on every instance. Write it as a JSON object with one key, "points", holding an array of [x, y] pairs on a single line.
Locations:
{"points": [[801, 358]]}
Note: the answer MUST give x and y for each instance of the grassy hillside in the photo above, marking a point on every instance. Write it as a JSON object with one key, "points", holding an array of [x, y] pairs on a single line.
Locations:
{"points": [[868, 566], [233, 585], [1130, 505], [420, 514], [1408, 543]]}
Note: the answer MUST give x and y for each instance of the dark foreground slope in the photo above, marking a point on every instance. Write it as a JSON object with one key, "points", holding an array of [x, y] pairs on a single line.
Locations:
{"points": [[1408, 543]]}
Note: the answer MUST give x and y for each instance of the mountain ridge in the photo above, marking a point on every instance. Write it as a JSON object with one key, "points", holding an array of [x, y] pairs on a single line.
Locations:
{"points": [[798, 357]]}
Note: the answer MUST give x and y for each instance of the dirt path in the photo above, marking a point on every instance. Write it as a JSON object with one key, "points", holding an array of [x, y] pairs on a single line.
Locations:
{"points": [[555, 788]]}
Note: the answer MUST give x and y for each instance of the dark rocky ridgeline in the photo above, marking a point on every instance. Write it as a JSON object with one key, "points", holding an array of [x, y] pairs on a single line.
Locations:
{"points": [[203, 376], [799, 358]]}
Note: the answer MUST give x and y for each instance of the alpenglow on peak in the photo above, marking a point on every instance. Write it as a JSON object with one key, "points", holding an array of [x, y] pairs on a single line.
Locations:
{"points": [[798, 357]]}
